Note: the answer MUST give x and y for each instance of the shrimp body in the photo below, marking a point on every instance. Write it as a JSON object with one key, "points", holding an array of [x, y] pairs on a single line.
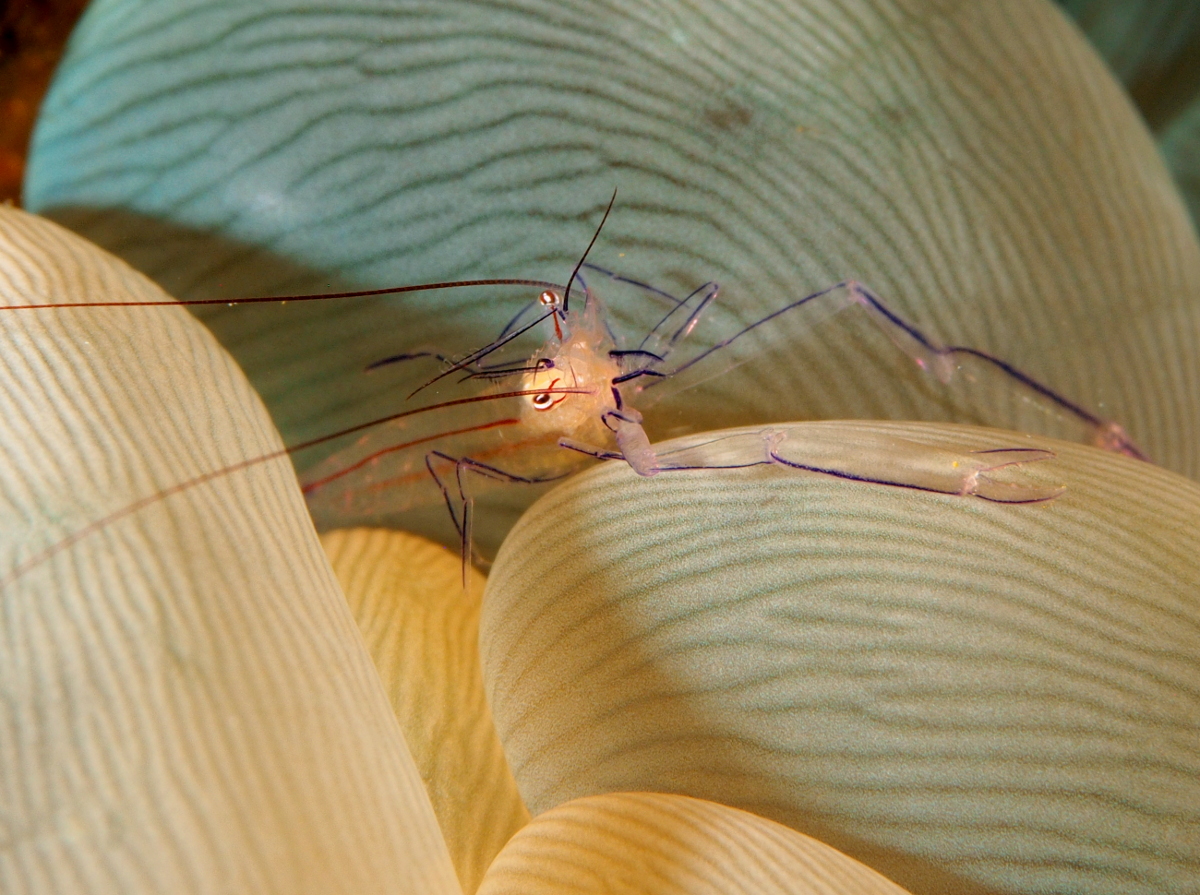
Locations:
{"points": [[580, 359], [584, 356], [516, 430]]}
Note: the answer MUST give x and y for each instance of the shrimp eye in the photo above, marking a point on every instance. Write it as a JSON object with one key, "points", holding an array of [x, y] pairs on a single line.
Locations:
{"points": [[543, 401], [550, 299]]}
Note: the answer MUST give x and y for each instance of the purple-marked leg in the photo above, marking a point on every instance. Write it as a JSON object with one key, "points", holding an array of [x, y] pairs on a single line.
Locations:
{"points": [[676, 323], [947, 364], [458, 500], [633, 445]]}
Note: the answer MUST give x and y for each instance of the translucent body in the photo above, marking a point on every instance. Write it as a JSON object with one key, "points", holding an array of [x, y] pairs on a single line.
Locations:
{"points": [[574, 399], [531, 419]]}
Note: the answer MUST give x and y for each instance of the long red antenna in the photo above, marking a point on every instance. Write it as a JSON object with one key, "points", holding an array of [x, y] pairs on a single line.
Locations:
{"points": [[42, 556], [267, 299]]}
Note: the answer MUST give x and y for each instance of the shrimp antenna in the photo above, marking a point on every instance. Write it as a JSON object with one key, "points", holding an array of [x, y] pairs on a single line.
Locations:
{"points": [[579, 266], [24, 567], [267, 299]]}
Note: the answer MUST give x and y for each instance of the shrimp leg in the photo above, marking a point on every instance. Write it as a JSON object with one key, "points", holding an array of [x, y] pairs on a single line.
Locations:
{"points": [[946, 361], [457, 497], [948, 364]]}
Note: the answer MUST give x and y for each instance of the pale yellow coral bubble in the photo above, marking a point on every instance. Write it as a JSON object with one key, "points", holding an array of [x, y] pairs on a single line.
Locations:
{"points": [[968, 696], [657, 844], [422, 629], [187, 703]]}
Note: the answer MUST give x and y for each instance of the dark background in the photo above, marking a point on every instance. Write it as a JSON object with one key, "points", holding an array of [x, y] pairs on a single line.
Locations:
{"points": [[32, 36]]}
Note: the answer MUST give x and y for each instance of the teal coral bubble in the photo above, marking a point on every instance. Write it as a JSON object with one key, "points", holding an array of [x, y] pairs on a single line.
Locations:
{"points": [[1153, 48]]}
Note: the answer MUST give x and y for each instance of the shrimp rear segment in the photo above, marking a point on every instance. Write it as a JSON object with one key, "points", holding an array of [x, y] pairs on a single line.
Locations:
{"points": [[884, 460], [873, 457]]}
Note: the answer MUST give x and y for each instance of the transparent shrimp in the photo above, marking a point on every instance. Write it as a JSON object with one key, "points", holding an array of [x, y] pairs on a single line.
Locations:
{"points": [[531, 418], [576, 400], [952, 366]]}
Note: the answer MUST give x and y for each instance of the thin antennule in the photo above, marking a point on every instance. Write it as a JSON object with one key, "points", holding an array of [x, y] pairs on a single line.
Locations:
{"points": [[267, 299], [566, 302], [465, 362]]}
